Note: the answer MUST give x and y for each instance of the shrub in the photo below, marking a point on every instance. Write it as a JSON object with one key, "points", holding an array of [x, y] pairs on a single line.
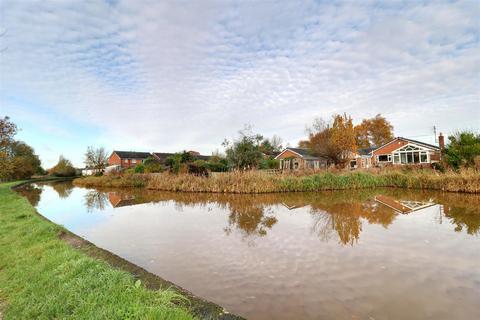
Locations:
{"points": [[63, 168], [139, 168]]}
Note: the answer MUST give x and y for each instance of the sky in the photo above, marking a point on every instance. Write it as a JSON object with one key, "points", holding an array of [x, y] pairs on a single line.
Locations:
{"points": [[167, 76]]}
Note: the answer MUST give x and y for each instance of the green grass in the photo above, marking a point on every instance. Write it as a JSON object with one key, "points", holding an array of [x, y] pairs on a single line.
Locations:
{"points": [[42, 277]]}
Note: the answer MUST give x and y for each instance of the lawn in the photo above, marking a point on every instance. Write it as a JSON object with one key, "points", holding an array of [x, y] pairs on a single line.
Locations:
{"points": [[43, 277]]}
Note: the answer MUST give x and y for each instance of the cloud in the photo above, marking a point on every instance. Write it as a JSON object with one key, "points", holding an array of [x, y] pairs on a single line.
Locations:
{"points": [[168, 76]]}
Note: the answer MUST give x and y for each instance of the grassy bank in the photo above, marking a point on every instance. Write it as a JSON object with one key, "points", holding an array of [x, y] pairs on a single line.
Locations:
{"points": [[257, 182], [42, 277]]}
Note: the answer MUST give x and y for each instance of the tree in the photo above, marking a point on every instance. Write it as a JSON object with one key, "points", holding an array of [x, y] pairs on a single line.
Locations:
{"points": [[8, 130], [462, 150], [63, 168], [373, 132], [335, 140], [25, 162], [96, 158], [244, 152], [342, 138], [17, 159]]}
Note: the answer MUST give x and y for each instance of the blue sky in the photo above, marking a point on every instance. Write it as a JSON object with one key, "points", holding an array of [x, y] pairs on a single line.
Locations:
{"points": [[173, 75]]}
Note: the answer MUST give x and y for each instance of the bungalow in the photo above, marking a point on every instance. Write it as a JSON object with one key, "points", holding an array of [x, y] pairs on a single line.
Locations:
{"points": [[399, 151], [298, 159], [127, 159]]}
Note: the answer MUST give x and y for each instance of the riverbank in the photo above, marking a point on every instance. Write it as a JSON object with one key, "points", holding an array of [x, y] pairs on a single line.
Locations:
{"points": [[467, 181], [47, 272]]}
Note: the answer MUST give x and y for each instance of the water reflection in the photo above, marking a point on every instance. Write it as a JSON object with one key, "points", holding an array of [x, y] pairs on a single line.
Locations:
{"points": [[337, 214], [336, 255]]}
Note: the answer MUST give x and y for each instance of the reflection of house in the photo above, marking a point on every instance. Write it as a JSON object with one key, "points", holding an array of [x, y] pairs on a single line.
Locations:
{"points": [[298, 159], [399, 151], [403, 206], [118, 200], [127, 159]]}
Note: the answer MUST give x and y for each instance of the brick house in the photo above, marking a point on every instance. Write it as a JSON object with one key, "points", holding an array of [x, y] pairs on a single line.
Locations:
{"points": [[127, 159], [299, 159], [399, 151]]}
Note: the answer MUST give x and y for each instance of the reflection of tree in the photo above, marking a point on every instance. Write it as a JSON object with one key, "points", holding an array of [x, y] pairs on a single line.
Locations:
{"points": [[467, 218], [63, 188], [336, 214], [341, 213], [96, 200], [31, 192], [250, 217]]}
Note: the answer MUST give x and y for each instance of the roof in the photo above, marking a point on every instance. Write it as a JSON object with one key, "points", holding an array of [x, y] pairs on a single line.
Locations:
{"points": [[427, 145], [304, 153], [132, 154], [421, 143], [365, 151]]}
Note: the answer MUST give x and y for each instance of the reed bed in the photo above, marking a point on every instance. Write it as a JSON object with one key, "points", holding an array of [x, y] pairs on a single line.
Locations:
{"points": [[467, 181]]}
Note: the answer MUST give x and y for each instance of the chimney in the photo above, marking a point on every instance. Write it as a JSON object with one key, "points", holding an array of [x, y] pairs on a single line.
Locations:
{"points": [[441, 142]]}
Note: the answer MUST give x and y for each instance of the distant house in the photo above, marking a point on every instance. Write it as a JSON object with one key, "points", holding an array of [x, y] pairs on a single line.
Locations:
{"points": [[127, 159], [362, 158], [399, 151], [299, 159]]}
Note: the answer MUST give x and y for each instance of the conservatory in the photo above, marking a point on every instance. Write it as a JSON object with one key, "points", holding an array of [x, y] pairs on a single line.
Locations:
{"points": [[411, 154]]}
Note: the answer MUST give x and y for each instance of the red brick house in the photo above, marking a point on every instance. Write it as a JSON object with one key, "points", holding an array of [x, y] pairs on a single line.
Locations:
{"points": [[127, 159], [399, 151], [299, 159]]}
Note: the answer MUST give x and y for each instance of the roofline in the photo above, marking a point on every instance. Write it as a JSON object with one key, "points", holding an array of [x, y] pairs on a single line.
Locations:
{"points": [[288, 150], [431, 146]]}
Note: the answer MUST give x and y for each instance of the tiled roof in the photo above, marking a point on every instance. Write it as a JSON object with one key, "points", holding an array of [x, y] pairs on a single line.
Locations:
{"points": [[132, 154], [421, 143]]}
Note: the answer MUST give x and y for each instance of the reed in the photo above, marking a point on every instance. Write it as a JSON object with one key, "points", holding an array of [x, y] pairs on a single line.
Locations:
{"points": [[467, 181]]}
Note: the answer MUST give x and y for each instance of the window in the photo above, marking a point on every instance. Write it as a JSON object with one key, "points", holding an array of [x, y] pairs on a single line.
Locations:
{"points": [[396, 158], [423, 157], [383, 158], [134, 160], [125, 161]]}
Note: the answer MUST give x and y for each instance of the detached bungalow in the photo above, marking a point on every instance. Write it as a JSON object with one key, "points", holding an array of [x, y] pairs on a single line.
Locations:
{"points": [[399, 151], [299, 159], [127, 159]]}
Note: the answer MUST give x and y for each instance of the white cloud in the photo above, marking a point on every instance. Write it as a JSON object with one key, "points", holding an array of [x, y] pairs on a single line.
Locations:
{"points": [[183, 75]]}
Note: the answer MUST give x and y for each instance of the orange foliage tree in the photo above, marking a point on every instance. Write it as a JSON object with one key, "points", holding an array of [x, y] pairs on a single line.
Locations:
{"points": [[373, 132], [335, 140]]}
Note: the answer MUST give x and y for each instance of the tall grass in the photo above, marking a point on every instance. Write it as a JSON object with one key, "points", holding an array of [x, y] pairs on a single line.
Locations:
{"points": [[258, 182]]}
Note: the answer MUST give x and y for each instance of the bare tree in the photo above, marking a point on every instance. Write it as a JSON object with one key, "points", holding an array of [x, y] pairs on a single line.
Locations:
{"points": [[96, 158]]}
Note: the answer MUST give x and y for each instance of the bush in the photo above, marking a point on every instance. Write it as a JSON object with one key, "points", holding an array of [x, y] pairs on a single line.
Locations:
{"points": [[139, 168], [268, 164], [152, 166], [63, 168]]}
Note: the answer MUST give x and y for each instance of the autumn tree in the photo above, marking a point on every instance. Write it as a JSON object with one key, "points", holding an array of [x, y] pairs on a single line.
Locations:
{"points": [[373, 132], [96, 158], [334, 140]]}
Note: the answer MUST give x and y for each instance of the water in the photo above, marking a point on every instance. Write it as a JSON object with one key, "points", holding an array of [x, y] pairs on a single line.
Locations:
{"points": [[372, 254]]}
